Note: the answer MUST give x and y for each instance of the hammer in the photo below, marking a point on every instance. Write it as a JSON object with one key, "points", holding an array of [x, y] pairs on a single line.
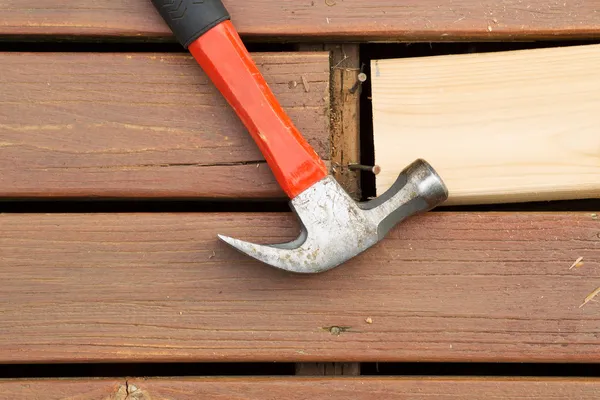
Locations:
{"points": [[334, 227]]}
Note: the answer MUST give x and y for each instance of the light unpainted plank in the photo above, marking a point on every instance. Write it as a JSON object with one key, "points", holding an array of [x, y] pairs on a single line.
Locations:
{"points": [[143, 125], [161, 287], [63, 389], [429, 20], [499, 127], [455, 388]]}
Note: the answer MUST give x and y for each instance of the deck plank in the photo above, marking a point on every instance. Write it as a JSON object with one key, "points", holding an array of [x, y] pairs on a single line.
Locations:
{"points": [[142, 125], [303, 388], [61, 389], [428, 20], [160, 287]]}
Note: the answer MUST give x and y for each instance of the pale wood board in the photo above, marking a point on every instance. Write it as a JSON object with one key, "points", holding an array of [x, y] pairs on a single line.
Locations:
{"points": [[498, 127], [159, 287]]}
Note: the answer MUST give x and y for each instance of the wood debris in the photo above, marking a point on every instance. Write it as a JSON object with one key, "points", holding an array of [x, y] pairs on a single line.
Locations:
{"points": [[590, 297], [369, 320], [577, 263], [305, 83]]}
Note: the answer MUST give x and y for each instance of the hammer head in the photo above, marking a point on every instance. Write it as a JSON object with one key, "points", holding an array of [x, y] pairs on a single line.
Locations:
{"points": [[335, 228]]}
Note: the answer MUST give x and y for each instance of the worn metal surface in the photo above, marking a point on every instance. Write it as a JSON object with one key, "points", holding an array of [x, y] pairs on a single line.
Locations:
{"points": [[335, 228]]}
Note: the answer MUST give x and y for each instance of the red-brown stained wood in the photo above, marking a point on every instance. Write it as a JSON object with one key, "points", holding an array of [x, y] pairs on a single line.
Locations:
{"points": [[63, 389], [430, 20], [142, 125], [366, 388], [161, 287], [302, 388]]}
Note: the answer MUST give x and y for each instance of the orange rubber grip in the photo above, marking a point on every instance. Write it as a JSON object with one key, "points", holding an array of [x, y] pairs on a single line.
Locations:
{"points": [[224, 58]]}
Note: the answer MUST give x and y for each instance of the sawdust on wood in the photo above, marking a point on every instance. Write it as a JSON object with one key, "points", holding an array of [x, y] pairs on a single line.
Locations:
{"points": [[577, 263], [590, 297]]}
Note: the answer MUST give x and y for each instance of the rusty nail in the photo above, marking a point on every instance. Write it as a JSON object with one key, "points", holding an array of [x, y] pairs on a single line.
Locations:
{"points": [[360, 79]]}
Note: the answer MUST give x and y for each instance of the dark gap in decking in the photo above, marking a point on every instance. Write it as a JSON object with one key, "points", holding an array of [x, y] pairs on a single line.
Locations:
{"points": [[548, 206], [61, 206], [122, 47], [109, 370], [86, 370], [482, 369], [367, 145], [139, 206]]}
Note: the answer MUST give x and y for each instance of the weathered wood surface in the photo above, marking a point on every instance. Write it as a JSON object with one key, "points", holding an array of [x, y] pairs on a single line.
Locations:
{"points": [[143, 125], [344, 113], [63, 389], [429, 20], [302, 388], [161, 287], [500, 127], [368, 388]]}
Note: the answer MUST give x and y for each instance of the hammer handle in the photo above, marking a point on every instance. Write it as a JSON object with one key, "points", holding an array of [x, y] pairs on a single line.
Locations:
{"points": [[204, 28]]}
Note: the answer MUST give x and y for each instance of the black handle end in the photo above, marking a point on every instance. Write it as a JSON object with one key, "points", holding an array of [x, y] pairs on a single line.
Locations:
{"points": [[190, 19]]}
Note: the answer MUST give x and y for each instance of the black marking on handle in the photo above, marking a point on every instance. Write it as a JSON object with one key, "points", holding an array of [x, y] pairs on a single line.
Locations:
{"points": [[190, 19]]}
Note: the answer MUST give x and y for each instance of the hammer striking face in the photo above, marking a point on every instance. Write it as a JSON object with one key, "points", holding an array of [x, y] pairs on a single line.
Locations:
{"points": [[334, 227]]}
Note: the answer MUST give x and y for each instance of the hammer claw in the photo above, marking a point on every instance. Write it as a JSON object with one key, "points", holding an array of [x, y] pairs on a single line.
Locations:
{"points": [[282, 256]]}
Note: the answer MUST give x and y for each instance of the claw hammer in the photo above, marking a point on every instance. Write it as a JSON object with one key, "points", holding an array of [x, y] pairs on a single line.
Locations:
{"points": [[334, 227]]}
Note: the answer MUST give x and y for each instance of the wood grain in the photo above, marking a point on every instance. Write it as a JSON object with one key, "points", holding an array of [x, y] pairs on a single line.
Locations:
{"points": [[63, 389], [499, 127], [345, 116], [344, 113], [368, 388], [160, 287], [142, 125], [428, 20], [303, 388]]}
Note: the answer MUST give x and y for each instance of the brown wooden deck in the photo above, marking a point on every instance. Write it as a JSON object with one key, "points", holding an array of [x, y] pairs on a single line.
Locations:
{"points": [[102, 292]]}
